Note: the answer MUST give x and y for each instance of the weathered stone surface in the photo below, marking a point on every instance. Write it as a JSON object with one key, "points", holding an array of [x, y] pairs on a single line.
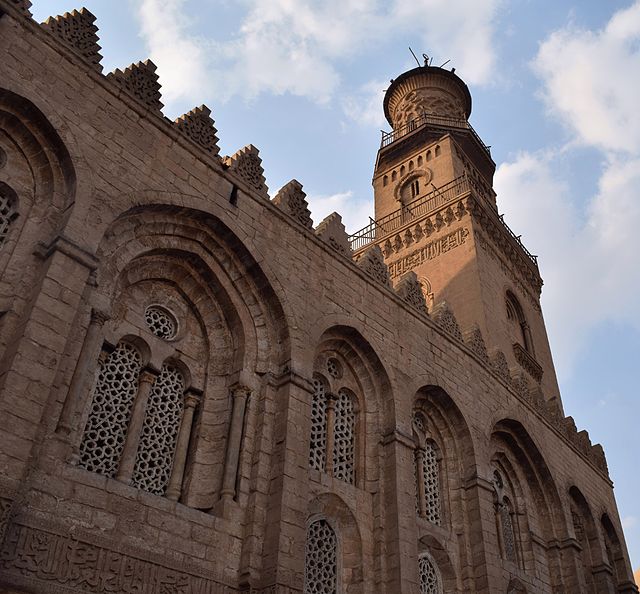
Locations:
{"points": [[194, 388]]}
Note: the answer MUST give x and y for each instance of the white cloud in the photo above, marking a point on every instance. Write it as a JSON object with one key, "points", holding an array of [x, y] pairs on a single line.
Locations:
{"points": [[588, 245], [365, 106], [588, 259], [629, 522], [355, 212], [181, 59], [591, 81], [299, 46]]}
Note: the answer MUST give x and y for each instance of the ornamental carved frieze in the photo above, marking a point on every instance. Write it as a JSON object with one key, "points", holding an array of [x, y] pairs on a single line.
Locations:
{"points": [[500, 236], [57, 564], [428, 251], [527, 362]]}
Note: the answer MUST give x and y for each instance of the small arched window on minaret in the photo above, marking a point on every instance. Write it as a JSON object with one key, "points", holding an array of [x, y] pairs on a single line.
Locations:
{"points": [[515, 315]]}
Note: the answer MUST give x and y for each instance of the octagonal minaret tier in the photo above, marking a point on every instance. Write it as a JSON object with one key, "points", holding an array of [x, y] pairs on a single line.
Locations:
{"points": [[426, 90]]}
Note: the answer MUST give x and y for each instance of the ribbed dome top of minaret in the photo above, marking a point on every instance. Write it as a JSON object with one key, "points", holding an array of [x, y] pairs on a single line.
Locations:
{"points": [[426, 90]]}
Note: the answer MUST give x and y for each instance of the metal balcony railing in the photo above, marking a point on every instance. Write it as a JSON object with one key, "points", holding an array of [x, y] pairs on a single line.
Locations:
{"points": [[438, 197], [434, 121]]}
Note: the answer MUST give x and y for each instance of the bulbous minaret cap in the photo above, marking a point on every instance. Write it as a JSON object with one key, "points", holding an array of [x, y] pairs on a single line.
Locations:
{"points": [[426, 90]]}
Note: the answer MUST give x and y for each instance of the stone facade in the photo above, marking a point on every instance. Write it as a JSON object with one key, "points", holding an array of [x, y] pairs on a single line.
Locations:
{"points": [[201, 393]]}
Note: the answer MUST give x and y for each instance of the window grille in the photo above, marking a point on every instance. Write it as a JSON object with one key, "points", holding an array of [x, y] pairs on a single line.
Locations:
{"points": [[344, 438], [7, 214], [154, 458], [429, 578], [333, 368], [430, 472], [115, 390], [160, 322], [318, 446], [320, 560], [508, 534]]}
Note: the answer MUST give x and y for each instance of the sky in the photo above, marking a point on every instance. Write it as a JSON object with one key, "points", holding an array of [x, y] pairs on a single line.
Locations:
{"points": [[556, 93]]}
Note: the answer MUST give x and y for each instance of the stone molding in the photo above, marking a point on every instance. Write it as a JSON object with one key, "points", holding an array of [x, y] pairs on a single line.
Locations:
{"points": [[77, 30], [23, 6], [141, 82], [332, 231], [198, 126], [527, 362], [292, 200], [246, 164]]}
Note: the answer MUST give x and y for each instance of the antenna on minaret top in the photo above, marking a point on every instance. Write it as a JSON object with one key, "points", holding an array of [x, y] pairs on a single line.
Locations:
{"points": [[414, 56]]}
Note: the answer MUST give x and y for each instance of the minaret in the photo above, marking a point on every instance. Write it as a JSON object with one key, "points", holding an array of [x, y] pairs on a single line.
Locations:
{"points": [[436, 215]]}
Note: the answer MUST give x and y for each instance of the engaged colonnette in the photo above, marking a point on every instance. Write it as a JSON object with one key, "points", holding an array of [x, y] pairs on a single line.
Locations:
{"points": [[202, 393]]}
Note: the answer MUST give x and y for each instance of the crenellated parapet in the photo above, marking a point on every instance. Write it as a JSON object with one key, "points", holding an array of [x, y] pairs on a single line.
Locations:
{"points": [[445, 318], [292, 200], [373, 264], [198, 127], [77, 30], [332, 231], [409, 289], [140, 81], [246, 165]]}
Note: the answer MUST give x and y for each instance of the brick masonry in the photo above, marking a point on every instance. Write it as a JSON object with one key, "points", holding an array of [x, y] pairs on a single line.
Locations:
{"points": [[118, 209]]}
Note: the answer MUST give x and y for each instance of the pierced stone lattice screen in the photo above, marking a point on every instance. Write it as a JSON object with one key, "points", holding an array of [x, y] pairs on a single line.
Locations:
{"points": [[429, 580], [160, 431], [318, 447], [431, 484], [7, 214], [344, 438], [321, 560], [160, 322], [113, 396], [508, 535]]}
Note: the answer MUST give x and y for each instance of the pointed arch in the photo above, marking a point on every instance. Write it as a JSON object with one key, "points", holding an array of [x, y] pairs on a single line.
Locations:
{"points": [[537, 510]]}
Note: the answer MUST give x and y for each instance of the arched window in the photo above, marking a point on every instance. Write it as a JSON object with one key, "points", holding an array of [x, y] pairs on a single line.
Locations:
{"points": [[516, 316], [154, 458], [318, 445], [321, 559], [437, 151], [504, 520], [430, 581], [344, 438], [427, 474], [8, 211], [113, 396]]}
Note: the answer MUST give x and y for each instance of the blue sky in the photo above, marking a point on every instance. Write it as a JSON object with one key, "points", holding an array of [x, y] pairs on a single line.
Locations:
{"points": [[556, 92]]}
